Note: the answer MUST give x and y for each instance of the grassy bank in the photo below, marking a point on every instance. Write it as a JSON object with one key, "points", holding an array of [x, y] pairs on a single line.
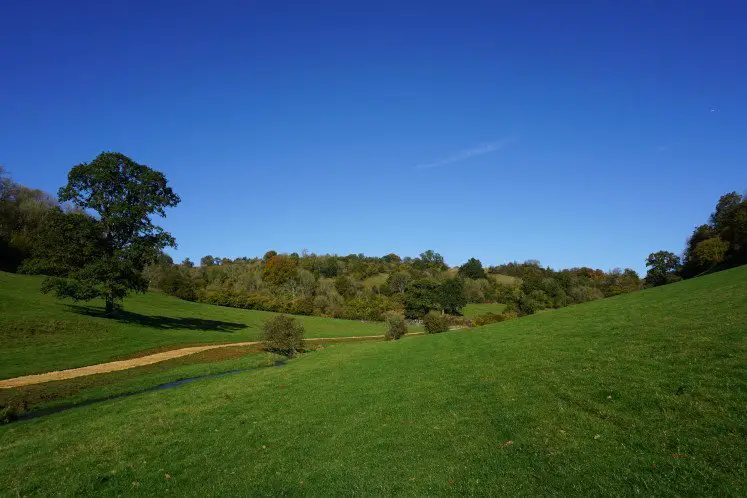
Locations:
{"points": [[637, 394], [39, 333]]}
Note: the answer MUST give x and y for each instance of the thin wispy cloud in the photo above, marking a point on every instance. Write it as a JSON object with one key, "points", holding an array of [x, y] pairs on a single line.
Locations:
{"points": [[478, 150]]}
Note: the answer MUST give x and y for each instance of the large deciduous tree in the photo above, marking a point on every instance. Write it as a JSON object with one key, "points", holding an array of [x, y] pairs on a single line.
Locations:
{"points": [[662, 268], [424, 295], [64, 244], [722, 243], [451, 296], [279, 269], [125, 196]]}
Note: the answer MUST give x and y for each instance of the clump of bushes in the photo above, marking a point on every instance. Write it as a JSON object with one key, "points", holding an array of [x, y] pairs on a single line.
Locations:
{"points": [[12, 411], [395, 326], [460, 322], [434, 322], [494, 318], [283, 335]]}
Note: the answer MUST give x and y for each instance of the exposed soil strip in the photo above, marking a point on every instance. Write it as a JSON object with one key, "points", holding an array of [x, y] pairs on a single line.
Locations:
{"points": [[33, 414], [114, 366]]}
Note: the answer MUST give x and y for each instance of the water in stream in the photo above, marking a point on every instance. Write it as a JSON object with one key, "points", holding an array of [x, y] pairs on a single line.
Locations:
{"points": [[169, 385]]}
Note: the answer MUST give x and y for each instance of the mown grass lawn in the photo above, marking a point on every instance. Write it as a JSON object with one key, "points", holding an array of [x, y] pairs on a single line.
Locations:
{"points": [[638, 394], [39, 333], [476, 309]]}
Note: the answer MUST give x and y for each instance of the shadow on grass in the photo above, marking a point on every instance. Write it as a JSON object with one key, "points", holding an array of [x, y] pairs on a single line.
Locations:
{"points": [[19, 413], [159, 322]]}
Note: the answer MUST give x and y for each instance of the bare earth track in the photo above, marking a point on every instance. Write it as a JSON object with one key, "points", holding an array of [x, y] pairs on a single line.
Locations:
{"points": [[114, 366]]}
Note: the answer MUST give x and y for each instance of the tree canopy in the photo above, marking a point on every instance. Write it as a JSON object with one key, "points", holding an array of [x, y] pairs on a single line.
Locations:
{"points": [[472, 269], [662, 268], [125, 196]]}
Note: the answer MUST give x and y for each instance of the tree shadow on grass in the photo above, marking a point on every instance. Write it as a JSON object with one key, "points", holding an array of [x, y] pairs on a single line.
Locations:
{"points": [[159, 322]]}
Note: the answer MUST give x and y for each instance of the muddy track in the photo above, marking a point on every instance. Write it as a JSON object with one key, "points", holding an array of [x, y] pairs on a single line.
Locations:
{"points": [[140, 361]]}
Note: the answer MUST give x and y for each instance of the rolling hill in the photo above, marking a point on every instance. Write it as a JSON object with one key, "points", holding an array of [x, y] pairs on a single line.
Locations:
{"points": [[38, 333], [638, 394]]}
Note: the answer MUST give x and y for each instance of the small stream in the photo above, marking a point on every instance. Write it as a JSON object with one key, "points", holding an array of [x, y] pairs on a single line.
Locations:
{"points": [[34, 414]]}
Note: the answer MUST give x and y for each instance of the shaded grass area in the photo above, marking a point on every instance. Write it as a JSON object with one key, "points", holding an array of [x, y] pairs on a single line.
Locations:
{"points": [[81, 390], [39, 333], [159, 322], [638, 394], [476, 309]]}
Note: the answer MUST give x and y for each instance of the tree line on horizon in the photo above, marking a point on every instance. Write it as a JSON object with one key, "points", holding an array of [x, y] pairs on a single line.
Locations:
{"points": [[97, 240], [717, 245], [367, 287]]}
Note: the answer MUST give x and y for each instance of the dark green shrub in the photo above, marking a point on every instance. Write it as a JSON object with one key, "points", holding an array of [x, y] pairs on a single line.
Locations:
{"points": [[395, 326], [457, 321], [486, 319], [370, 308], [10, 412], [434, 322], [283, 335], [302, 306], [489, 318]]}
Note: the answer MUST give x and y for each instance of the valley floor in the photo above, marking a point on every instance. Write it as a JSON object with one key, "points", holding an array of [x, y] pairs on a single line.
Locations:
{"points": [[638, 394], [39, 334]]}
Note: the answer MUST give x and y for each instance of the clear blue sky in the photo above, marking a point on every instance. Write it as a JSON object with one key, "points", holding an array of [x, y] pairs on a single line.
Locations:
{"points": [[576, 133]]}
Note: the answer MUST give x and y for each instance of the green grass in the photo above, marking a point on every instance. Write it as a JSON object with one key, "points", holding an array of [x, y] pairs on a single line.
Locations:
{"points": [[79, 390], [476, 309], [639, 394], [39, 333]]}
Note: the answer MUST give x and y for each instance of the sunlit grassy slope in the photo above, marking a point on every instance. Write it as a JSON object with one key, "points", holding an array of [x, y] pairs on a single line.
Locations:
{"points": [[39, 333], [639, 394]]}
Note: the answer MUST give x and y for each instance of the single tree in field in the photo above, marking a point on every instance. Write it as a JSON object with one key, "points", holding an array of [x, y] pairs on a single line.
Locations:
{"points": [[125, 195], [451, 296], [662, 268], [421, 296]]}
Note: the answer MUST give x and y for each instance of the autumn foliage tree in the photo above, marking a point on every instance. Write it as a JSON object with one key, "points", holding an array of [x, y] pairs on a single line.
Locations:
{"points": [[279, 269]]}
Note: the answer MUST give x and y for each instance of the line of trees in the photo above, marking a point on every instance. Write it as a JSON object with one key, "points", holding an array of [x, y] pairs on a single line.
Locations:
{"points": [[717, 245], [97, 239], [366, 288]]}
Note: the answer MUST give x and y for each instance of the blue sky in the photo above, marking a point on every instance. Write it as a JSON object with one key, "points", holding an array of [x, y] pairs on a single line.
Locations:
{"points": [[576, 133]]}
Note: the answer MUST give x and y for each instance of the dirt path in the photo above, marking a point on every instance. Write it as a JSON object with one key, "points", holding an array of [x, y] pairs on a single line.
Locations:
{"points": [[114, 366]]}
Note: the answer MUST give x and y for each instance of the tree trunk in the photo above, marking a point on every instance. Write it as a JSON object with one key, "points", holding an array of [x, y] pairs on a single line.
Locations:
{"points": [[109, 306]]}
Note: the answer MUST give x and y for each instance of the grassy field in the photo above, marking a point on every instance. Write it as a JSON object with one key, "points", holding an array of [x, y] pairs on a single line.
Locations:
{"points": [[638, 394], [39, 397], [476, 309], [39, 333]]}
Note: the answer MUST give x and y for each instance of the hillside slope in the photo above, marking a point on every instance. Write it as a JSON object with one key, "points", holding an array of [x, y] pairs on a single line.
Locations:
{"points": [[39, 333], [642, 393]]}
